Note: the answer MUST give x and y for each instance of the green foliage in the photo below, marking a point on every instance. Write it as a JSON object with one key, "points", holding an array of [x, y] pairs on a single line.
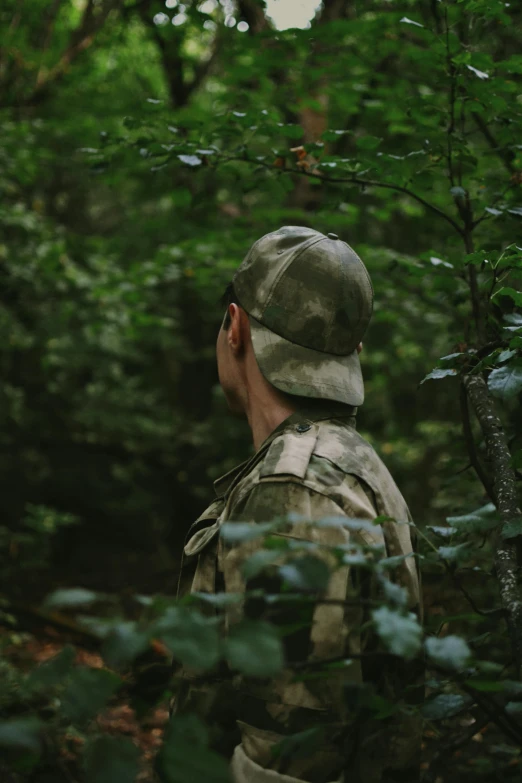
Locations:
{"points": [[86, 692], [111, 760], [399, 631], [450, 652], [21, 734], [192, 638], [306, 573], [185, 757], [139, 160], [445, 705], [506, 382], [71, 597], [254, 648], [53, 672]]}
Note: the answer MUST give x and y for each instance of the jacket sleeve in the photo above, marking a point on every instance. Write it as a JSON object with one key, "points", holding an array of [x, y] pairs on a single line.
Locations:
{"points": [[269, 712], [292, 705]]}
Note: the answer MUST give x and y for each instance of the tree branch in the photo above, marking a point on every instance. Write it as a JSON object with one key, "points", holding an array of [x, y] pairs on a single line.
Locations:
{"points": [[506, 498], [358, 181], [470, 443], [441, 758], [505, 155], [80, 39]]}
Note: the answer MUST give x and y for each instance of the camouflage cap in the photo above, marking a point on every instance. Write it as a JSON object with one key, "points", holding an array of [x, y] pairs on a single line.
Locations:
{"points": [[309, 299]]}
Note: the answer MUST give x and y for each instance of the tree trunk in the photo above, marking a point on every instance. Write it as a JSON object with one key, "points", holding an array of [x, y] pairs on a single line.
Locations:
{"points": [[506, 499]]}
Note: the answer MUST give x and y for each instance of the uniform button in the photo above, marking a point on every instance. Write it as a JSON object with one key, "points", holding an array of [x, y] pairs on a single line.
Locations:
{"points": [[332, 236], [303, 427]]}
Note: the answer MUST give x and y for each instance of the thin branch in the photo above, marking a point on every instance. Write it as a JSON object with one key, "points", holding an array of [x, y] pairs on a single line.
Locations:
{"points": [[80, 39], [441, 758], [470, 443], [358, 181], [476, 303], [505, 155], [451, 126], [494, 711], [488, 704]]}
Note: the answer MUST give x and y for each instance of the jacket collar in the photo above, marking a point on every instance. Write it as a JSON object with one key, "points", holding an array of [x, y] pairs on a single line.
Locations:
{"points": [[305, 414]]}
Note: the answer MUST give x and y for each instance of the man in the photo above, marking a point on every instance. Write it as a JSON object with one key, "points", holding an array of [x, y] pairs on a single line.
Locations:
{"points": [[288, 360]]}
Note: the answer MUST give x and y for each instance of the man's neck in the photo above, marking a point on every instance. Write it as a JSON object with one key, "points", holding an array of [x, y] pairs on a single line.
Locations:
{"points": [[264, 416]]}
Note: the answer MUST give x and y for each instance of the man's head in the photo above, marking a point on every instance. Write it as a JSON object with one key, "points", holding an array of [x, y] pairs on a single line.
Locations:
{"points": [[297, 310]]}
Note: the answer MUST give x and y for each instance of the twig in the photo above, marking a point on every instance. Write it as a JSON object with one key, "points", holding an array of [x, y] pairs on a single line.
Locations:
{"points": [[451, 126], [357, 181], [470, 443], [446, 749], [505, 156]]}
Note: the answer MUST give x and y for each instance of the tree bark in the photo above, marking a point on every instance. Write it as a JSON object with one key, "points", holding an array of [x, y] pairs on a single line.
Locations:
{"points": [[254, 15], [506, 498]]}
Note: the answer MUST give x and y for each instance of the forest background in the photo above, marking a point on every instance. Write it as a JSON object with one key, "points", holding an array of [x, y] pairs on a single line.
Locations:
{"points": [[144, 146]]}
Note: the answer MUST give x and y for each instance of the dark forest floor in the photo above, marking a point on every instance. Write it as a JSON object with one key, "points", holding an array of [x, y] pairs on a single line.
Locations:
{"points": [[483, 758]]}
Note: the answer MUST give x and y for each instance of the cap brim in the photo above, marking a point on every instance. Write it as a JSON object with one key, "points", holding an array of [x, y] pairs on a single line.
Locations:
{"points": [[293, 369]]}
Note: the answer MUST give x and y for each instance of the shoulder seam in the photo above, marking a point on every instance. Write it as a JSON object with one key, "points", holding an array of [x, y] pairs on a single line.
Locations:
{"points": [[290, 453]]}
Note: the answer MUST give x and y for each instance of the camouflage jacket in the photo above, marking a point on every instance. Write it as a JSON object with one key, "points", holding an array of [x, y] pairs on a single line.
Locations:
{"points": [[314, 465]]}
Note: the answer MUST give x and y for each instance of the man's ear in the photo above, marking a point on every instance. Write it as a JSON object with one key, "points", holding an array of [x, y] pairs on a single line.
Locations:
{"points": [[359, 348], [238, 329]]}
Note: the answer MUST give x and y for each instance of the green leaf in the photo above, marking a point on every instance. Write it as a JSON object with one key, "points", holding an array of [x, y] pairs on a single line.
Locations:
{"points": [[401, 633], [111, 760], [21, 734], [435, 261], [405, 20], [438, 373], [483, 519], [396, 560], [504, 356], [239, 532], [306, 573], [512, 687], [219, 600], [456, 553], [368, 142], [506, 382], [257, 562], [487, 686], [254, 648], [395, 594], [348, 523], [515, 319], [479, 74], [450, 652], [443, 532], [445, 705], [301, 745], [124, 643], [192, 638], [291, 131], [451, 356], [190, 160], [514, 708], [516, 296], [87, 691], [53, 671], [333, 135], [70, 597], [512, 529], [458, 192], [185, 757]]}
